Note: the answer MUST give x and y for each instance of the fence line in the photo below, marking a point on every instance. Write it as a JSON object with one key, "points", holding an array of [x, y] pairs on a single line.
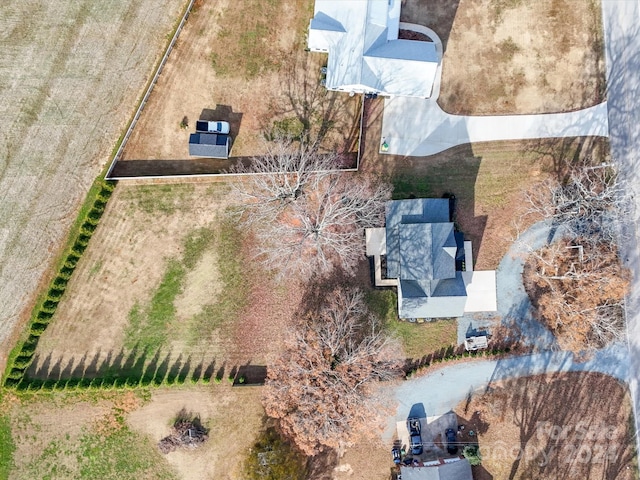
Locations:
{"points": [[149, 89]]}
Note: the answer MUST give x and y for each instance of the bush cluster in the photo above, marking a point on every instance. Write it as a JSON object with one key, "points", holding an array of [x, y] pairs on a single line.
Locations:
{"points": [[44, 313]]}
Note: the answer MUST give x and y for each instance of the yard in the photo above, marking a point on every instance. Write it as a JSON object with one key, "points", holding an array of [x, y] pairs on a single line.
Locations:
{"points": [[488, 179], [165, 280], [65, 102], [113, 435], [243, 62], [552, 427], [515, 56]]}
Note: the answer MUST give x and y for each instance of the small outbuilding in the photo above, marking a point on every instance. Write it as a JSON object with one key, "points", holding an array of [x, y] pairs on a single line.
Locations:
{"points": [[209, 145], [450, 469]]}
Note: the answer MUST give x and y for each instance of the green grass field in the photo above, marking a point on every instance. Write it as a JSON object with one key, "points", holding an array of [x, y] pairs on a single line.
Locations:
{"points": [[7, 447]]}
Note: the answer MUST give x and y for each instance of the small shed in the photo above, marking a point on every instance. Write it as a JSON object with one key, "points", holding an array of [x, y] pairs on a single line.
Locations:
{"points": [[209, 145]]}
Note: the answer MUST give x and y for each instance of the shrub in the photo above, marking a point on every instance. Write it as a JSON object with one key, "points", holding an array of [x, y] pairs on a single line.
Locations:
{"points": [[99, 204], [206, 380], [87, 229], [66, 272], [11, 382], [22, 361], [60, 282], [44, 317], [472, 453], [83, 239], [28, 350], [16, 373], [78, 248], [71, 261], [94, 216], [108, 186], [55, 293], [37, 328]]}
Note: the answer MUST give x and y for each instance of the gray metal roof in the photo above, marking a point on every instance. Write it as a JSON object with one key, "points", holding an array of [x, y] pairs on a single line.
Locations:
{"points": [[460, 470], [209, 145]]}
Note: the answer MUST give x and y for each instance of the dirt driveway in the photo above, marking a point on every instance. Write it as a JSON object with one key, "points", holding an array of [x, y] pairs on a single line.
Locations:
{"points": [[516, 56], [64, 104]]}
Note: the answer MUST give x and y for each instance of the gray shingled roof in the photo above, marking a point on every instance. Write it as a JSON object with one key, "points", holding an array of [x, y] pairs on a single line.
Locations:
{"points": [[460, 470], [209, 145], [421, 253]]}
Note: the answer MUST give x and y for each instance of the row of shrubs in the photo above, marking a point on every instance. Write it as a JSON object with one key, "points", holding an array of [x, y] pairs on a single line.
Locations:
{"points": [[449, 355], [47, 308], [113, 382]]}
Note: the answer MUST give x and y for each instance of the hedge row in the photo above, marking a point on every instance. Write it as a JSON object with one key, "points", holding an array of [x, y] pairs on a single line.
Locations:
{"points": [[44, 313], [26, 384], [451, 355]]}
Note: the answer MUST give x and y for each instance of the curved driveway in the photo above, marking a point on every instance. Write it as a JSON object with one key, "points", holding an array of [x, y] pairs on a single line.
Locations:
{"points": [[441, 390], [419, 127]]}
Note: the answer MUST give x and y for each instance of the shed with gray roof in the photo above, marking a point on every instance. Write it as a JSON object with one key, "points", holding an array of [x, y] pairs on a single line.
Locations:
{"points": [[209, 145]]}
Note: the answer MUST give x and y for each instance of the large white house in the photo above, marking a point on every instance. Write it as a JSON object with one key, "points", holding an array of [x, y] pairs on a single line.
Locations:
{"points": [[365, 54]]}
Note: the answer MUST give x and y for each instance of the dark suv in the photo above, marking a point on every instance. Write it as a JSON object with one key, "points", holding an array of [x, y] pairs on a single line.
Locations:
{"points": [[452, 441], [413, 425]]}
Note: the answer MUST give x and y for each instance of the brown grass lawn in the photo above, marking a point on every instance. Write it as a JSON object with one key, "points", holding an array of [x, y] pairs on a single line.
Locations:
{"points": [[165, 274], [113, 435], [243, 61], [516, 56], [567, 425]]}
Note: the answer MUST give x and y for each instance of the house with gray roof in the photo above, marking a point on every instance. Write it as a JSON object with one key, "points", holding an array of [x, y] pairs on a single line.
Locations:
{"points": [[209, 145], [365, 53], [450, 469], [428, 261]]}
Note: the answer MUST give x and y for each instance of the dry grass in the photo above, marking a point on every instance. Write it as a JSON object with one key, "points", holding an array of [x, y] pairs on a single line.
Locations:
{"points": [[514, 56], [558, 424], [64, 105], [243, 61]]}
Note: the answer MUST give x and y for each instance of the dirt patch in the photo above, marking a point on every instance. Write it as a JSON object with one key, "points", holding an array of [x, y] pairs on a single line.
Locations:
{"points": [[243, 62], [552, 427], [506, 57], [234, 416], [202, 285], [62, 117]]}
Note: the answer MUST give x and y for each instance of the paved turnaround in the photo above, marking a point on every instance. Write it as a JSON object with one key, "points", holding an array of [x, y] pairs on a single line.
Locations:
{"points": [[621, 19]]}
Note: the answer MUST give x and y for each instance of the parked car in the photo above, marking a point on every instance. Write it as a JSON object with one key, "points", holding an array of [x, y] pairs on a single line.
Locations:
{"points": [[203, 126], [395, 454], [452, 441], [415, 437]]}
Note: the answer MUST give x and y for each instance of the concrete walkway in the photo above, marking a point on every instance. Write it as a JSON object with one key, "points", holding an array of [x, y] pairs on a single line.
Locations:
{"points": [[419, 127]]}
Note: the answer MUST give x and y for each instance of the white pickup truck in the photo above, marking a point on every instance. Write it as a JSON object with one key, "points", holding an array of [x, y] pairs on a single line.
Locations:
{"points": [[202, 126]]}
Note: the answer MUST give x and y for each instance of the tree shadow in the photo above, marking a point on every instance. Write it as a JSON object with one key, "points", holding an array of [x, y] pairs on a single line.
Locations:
{"points": [[439, 15], [326, 119]]}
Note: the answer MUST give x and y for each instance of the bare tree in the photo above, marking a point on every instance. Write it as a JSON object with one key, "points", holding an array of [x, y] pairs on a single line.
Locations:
{"points": [[307, 216], [324, 388], [588, 204]]}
